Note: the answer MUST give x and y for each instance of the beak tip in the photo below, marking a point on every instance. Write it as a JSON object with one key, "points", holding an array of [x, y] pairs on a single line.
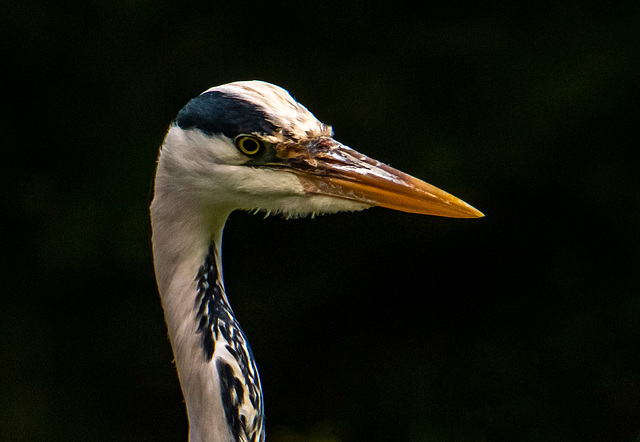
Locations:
{"points": [[464, 210], [475, 213]]}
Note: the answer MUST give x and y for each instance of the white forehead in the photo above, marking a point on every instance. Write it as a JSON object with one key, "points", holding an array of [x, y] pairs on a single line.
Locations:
{"points": [[283, 110]]}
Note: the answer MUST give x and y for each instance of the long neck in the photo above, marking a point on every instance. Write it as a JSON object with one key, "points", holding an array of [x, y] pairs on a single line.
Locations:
{"points": [[217, 373]]}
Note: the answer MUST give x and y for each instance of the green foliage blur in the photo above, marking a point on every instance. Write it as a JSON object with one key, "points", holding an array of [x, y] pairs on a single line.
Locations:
{"points": [[376, 326]]}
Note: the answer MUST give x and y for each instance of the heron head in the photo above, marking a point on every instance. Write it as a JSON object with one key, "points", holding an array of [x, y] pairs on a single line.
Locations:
{"points": [[251, 146]]}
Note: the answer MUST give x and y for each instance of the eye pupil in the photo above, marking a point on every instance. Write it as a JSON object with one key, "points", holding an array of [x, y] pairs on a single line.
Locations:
{"points": [[248, 145]]}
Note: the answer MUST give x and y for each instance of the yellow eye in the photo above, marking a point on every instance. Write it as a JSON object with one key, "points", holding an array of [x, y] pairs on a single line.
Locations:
{"points": [[249, 145]]}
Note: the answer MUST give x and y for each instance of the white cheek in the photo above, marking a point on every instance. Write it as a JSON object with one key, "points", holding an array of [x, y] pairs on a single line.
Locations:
{"points": [[196, 146], [257, 185], [221, 150]]}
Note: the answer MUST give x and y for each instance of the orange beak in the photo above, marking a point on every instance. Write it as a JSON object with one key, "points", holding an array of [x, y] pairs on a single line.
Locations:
{"points": [[336, 170]]}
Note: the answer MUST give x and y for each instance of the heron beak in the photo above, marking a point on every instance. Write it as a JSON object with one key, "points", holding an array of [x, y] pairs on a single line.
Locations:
{"points": [[329, 168]]}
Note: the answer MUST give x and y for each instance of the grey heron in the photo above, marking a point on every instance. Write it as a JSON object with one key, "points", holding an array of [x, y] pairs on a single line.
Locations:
{"points": [[248, 146]]}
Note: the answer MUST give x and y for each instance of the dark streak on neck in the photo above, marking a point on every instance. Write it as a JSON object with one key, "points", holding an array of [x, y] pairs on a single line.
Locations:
{"points": [[214, 312], [217, 324]]}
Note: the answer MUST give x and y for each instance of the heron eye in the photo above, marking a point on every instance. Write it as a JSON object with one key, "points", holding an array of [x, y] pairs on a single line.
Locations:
{"points": [[249, 145]]}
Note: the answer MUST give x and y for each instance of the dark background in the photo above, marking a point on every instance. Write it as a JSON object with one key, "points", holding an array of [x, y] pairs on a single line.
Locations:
{"points": [[377, 326]]}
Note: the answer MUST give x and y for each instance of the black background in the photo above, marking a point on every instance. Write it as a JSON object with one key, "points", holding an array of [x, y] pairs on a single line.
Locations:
{"points": [[377, 326]]}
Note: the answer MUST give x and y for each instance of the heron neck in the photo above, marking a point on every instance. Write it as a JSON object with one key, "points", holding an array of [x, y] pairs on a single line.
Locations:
{"points": [[180, 245]]}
